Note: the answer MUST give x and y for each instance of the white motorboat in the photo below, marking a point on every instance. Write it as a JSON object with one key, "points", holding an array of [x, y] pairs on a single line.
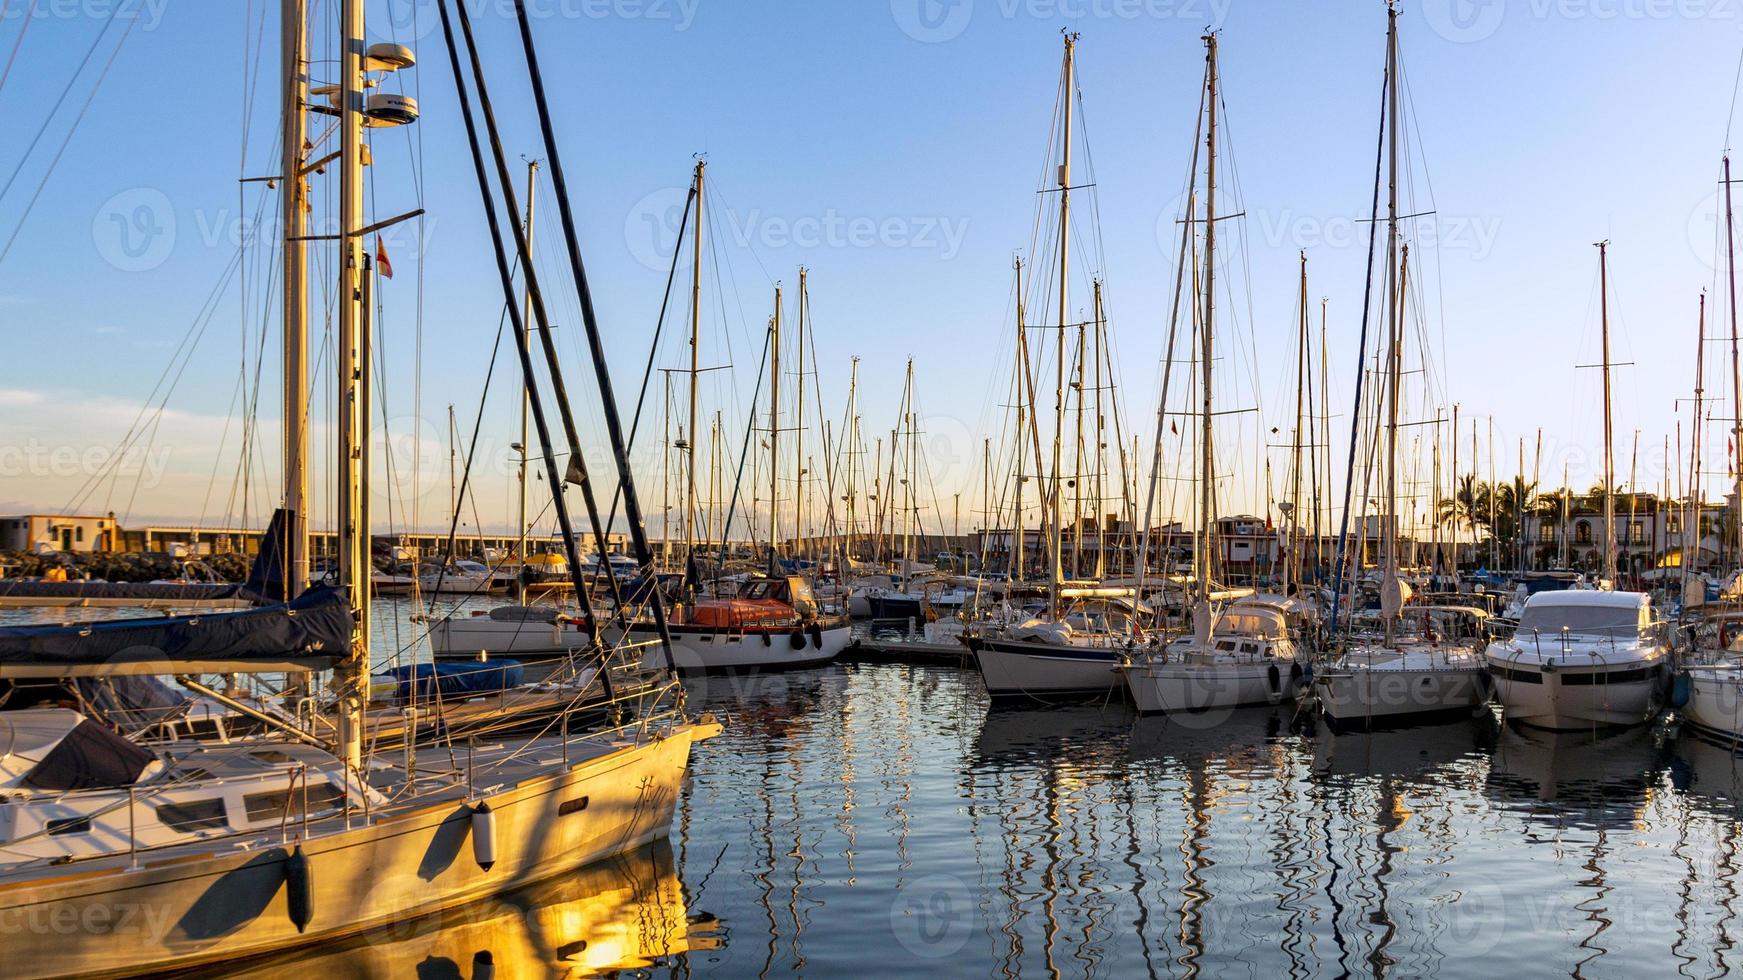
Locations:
{"points": [[1580, 660]]}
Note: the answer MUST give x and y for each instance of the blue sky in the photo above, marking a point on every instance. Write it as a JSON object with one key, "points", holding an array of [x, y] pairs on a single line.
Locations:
{"points": [[1541, 127]]}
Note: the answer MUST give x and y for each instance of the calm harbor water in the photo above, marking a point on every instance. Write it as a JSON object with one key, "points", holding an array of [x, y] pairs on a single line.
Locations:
{"points": [[879, 819]]}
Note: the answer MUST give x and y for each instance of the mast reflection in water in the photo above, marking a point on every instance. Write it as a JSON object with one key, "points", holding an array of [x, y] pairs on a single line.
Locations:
{"points": [[886, 819]]}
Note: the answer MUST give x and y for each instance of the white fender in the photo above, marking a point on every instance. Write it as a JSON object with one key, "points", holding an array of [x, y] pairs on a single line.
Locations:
{"points": [[483, 835]]}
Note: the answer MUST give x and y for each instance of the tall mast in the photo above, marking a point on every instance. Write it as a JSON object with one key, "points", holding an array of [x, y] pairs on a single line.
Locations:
{"points": [[1022, 403], [1691, 521], [1066, 91], [695, 368], [354, 558], [1454, 443], [799, 426], [1079, 458], [1099, 497], [1292, 569], [774, 429], [1391, 595], [1736, 374], [908, 480], [295, 201], [1207, 455], [1609, 449], [1324, 431], [520, 524], [853, 451]]}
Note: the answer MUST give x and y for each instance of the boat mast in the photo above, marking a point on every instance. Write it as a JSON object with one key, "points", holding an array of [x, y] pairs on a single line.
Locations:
{"points": [[1292, 569], [1100, 446], [908, 498], [1207, 456], [695, 368], [520, 524], [1391, 596], [1324, 431], [1065, 93], [1736, 375], [799, 549], [1609, 449], [774, 429], [294, 39], [1453, 443], [1022, 405], [1688, 558], [854, 452], [354, 557]]}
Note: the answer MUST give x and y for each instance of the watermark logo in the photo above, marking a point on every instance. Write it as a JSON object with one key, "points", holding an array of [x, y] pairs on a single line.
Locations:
{"points": [[933, 916], [135, 230], [932, 21], [1464, 21], [651, 228]]}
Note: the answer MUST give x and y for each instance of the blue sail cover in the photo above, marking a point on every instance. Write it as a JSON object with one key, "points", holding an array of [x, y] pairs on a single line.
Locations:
{"points": [[312, 632], [457, 679]]}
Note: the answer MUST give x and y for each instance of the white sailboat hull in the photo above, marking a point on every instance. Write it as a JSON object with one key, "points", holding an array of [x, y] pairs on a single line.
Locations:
{"points": [[705, 652], [480, 637], [1014, 668], [219, 902], [1715, 702], [1172, 687], [1382, 695]]}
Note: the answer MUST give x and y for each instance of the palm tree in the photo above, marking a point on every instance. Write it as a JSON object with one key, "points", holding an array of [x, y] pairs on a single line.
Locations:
{"points": [[1512, 501]]}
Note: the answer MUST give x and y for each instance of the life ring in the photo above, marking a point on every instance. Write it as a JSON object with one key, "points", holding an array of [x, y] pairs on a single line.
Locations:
{"points": [[797, 640], [816, 636]]}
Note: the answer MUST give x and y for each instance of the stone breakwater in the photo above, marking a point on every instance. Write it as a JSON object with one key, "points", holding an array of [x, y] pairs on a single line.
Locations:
{"points": [[118, 567]]}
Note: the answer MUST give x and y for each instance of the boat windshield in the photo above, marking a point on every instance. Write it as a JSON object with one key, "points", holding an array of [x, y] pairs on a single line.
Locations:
{"points": [[1598, 620]]}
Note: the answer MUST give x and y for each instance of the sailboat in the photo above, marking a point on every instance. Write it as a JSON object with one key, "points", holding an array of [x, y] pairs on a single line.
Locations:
{"points": [[1586, 659], [1072, 650], [252, 848], [1245, 652], [1712, 663], [1418, 663], [773, 621]]}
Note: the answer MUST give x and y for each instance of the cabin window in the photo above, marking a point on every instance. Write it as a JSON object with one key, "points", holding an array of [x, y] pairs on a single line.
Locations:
{"points": [[271, 806], [1249, 648], [1226, 645], [71, 825], [188, 816]]}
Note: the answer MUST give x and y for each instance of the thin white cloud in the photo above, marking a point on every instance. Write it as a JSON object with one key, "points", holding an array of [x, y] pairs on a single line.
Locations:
{"points": [[14, 397]]}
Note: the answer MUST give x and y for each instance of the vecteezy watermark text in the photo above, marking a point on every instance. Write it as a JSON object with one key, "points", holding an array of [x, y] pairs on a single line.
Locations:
{"points": [[651, 230], [936, 21]]}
